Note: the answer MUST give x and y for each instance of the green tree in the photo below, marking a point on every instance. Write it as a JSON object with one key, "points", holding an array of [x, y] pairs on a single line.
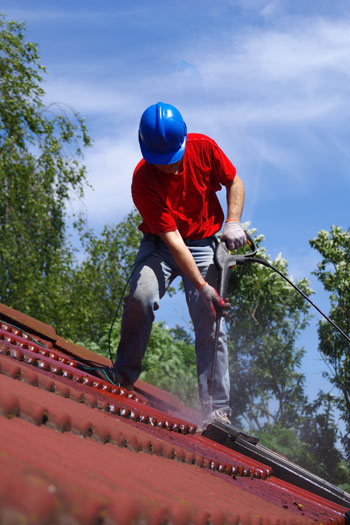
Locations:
{"points": [[169, 362], [40, 166], [267, 315], [334, 273], [267, 381], [97, 283], [312, 441]]}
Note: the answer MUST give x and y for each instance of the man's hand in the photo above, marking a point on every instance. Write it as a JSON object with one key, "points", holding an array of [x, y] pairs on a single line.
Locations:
{"points": [[233, 235], [213, 300]]}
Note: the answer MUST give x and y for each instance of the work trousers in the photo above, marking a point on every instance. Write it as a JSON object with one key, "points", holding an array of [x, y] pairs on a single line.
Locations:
{"points": [[154, 270]]}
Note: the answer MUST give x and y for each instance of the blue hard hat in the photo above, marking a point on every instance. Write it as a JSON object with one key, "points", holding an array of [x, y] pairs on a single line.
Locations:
{"points": [[162, 134]]}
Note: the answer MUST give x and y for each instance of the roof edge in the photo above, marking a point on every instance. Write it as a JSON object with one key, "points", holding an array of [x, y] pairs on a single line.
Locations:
{"points": [[28, 323], [25, 322]]}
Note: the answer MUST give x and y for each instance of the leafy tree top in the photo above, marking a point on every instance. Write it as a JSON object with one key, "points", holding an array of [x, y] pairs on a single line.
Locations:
{"points": [[40, 166]]}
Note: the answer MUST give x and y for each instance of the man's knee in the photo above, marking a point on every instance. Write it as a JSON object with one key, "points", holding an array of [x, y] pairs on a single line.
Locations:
{"points": [[141, 304]]}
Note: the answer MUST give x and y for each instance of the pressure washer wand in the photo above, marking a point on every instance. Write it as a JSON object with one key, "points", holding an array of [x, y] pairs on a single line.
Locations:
{"points": [[211, 379], [224, 261]]}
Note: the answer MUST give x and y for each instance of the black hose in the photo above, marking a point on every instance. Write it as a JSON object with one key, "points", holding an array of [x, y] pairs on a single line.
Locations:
{"points": [[268, 265]]}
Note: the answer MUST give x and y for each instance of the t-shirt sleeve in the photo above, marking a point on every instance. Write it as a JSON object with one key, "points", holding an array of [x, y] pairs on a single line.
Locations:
{"points": [[224, 170]]}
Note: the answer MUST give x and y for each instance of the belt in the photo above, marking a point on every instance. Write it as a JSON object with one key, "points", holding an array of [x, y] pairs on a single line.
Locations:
{"points": [[188, 242]]}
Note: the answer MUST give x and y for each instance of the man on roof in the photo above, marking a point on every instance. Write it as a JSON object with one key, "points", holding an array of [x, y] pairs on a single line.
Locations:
{"points": [[174, 188]]}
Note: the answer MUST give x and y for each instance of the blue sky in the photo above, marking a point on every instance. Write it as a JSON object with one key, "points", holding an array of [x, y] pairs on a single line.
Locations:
{"points": [[269, 80]]}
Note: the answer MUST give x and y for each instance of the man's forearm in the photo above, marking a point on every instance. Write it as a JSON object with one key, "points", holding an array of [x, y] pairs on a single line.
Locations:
{"points": [[235, 199], [183, 257]]}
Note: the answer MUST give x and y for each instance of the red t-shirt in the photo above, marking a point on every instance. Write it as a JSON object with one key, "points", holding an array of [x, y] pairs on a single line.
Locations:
{"points": [[185, 201]]}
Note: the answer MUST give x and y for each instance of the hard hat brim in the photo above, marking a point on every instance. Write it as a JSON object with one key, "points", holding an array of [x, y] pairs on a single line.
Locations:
{"points": [[163, 159]]}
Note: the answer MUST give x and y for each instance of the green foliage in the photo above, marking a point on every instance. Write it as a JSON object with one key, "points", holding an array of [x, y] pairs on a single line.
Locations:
{"points": [[344, 472], [40, 151], [318, 429], [40, 167], [98, 282], [312, 442], [170, 363], [286, 442], [267, 383], [266, 317], [334, 273]]}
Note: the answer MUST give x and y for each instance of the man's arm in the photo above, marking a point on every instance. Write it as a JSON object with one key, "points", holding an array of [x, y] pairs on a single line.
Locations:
{"points": [[183, 257], [235, 199], [233, 234], [187, 265]]}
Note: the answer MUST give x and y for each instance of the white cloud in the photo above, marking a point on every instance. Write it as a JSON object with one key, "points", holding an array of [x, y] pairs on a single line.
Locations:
{"points": [[271, 9], [110, 166], [302, 59], [300, 74], [306, 49], [90, 96], [245, 114]]}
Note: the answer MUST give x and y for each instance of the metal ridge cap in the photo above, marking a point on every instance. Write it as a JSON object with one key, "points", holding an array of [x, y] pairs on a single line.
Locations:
{"points": [[316, 498], [288, 471]]}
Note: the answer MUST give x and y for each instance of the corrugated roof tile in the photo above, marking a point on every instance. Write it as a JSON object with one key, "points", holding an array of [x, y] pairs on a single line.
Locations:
{"points": [[93, 473]]}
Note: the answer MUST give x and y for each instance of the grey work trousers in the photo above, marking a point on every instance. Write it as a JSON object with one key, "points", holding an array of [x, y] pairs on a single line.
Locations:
{"points": [[154, 271]]}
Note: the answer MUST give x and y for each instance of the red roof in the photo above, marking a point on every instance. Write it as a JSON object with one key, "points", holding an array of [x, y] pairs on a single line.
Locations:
{"points": [[75, 449]]}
